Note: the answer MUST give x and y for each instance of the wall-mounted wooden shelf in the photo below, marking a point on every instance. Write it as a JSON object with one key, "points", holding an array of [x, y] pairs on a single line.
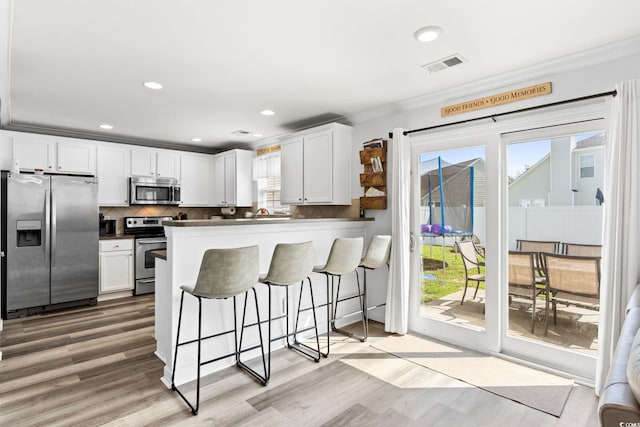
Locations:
{"points": [[375, 175]]}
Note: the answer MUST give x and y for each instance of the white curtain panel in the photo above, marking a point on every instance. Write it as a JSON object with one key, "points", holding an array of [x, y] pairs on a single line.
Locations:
{"points": [[397, 312], [621, 268]]}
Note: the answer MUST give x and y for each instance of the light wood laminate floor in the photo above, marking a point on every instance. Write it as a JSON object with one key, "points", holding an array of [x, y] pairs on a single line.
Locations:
{"points": [[95, 366]]}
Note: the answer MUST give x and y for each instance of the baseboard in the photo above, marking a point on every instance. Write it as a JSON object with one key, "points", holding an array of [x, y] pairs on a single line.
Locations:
{"points": [[114, 295]]}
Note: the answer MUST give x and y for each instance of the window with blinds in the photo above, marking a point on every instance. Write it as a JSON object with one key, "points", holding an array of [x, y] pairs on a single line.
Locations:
{"points": [[267, 175], [269, 195]]}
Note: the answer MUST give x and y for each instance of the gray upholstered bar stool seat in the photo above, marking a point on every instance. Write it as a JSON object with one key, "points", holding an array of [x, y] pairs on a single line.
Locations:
{"points": [[291, 264], [224, 273], [344, 258], [378, 254]]}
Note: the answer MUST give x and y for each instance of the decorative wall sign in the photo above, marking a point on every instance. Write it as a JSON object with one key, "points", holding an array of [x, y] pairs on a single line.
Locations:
{"points": [[268, 150], [499, 99]]}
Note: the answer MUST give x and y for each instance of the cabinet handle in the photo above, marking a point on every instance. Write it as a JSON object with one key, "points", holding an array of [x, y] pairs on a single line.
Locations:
{"points": [[59, 167]]}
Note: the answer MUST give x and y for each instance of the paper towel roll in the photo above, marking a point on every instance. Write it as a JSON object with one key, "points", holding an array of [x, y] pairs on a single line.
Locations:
{"points": [[228, 211]]}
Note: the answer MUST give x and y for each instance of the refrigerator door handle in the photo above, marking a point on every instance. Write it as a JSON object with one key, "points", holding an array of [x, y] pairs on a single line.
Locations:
{"points": [[53, 228], [47, 222]]}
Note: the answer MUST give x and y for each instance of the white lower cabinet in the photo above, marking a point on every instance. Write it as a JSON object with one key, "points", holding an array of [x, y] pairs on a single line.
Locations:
{"points": [[116, 265]]}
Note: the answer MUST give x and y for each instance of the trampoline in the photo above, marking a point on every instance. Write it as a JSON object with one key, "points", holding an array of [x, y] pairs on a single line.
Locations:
{"points": [[447, 194]]}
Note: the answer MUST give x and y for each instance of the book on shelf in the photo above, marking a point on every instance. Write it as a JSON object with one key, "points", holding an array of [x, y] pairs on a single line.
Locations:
{"points": [[376, 164], [374, 192], [374, 143]]}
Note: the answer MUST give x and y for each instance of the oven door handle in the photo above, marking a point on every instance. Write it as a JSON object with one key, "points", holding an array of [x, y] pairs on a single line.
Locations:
{"points": [[150, 241], [146, 280]]}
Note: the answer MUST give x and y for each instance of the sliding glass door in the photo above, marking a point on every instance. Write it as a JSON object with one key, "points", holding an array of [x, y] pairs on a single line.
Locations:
{"points": [[554, 201], [508, 230], [450, 229]]}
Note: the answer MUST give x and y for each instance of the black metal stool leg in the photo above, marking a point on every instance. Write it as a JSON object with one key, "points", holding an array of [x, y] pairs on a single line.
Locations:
{"points": [[313, 353], [194, 409], [360, 295], [175, 354], [298, 346], [264, 379]]}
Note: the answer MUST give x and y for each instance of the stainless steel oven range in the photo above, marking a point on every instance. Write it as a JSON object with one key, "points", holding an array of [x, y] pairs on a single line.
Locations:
{"points": [[149, 236]]}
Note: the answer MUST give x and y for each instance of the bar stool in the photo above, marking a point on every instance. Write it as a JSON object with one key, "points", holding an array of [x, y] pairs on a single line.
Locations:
{"points": [[344, 258], [224, 273], [378, 254], [291, 264]]}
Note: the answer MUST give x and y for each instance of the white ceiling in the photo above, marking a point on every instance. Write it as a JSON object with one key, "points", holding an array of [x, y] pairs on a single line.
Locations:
{"points": [[75, 64]]}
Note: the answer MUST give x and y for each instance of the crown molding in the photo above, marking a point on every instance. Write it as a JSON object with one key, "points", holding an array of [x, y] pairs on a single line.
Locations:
{"points": [[566, 63], [71, 133]]}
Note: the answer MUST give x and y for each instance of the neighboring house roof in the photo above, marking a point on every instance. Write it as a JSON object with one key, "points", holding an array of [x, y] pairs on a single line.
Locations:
{"points": [[593, 141], [450, 174], [531, 169]]}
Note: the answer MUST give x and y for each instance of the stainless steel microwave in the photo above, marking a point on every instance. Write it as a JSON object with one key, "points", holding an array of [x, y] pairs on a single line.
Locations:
{"points": [[154, 191]]}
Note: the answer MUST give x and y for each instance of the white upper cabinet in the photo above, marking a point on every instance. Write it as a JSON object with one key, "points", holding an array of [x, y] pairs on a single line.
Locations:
{"points": [[54, 155], [113, 175], [168, 164], [155, 163], [143, 162], [76, 157], [231, 181], [316, 166], [291, 171], [195, 179]]}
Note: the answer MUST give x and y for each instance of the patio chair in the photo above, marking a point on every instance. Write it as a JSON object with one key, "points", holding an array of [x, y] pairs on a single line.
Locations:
{"points": [[573, 280], [582, 250], [477, 243], [471, 266], [538, 246], [523, 283]]}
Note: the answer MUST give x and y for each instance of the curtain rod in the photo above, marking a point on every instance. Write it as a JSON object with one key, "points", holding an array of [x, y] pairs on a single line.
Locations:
{"points": [[521, 110]]}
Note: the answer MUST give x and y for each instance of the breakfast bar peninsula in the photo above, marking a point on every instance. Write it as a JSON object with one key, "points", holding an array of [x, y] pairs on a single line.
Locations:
{"points": [[187, 242]]}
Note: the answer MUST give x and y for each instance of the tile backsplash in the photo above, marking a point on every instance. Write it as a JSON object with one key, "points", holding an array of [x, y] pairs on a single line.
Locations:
{"points": [[118, 213]]}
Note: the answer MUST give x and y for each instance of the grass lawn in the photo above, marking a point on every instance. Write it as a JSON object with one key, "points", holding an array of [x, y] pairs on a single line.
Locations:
{"points": [[447, 280]]}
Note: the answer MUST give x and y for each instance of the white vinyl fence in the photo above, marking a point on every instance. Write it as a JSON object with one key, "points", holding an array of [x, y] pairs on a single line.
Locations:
{"points": [[567, 224]]}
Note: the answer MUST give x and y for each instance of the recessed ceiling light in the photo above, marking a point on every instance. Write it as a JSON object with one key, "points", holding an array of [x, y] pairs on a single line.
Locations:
{"points": [[196, 139], [106, 126], [427, 34], [257, 135], [153, 85], [267, 112]]}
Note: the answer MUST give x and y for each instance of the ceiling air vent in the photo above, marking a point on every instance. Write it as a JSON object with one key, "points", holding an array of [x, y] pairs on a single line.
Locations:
{"points": [[444, 63], [240, 132]]}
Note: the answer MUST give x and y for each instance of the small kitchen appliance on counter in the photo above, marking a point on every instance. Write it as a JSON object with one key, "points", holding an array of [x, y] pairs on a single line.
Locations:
{"points": [[107, 226]]}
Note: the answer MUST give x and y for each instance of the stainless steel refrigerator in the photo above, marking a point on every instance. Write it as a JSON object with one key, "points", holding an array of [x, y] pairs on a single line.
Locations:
{"points": [[50, 239]]}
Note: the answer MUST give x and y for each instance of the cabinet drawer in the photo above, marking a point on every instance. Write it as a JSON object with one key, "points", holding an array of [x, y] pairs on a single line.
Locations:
{"points": [[116, 245]]}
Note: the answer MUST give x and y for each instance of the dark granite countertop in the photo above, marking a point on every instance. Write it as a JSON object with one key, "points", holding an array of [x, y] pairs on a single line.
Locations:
{"points": [[117, 236], [160, 253], [253, 221]]}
